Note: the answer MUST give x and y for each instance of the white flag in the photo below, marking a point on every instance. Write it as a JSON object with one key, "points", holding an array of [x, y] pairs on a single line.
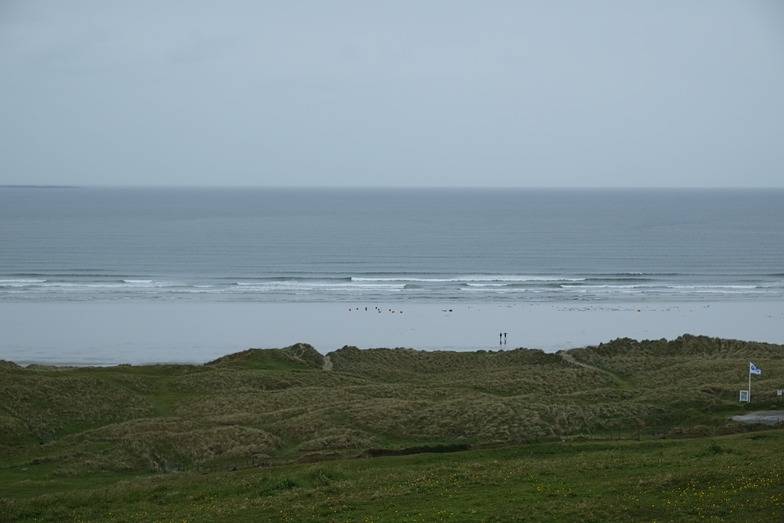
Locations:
{"points": [[753, 369]]}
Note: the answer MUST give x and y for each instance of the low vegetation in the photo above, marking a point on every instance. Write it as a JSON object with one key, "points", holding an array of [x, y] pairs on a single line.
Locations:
{"points": [[633, 430]]}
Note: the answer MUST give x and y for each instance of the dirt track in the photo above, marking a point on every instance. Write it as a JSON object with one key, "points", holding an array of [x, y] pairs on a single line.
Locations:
{"points": [[770, 417]]}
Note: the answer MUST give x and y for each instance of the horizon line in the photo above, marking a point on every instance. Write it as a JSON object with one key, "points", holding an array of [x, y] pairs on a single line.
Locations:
{"points": [[390, 187]]}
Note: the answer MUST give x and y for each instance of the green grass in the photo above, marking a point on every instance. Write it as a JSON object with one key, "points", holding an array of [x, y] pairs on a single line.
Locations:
{"points": [[734, 478], [640, 432]]}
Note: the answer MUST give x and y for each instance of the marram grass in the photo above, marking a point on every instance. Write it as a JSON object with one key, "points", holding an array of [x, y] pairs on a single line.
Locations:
{"points": [[627, 430]]}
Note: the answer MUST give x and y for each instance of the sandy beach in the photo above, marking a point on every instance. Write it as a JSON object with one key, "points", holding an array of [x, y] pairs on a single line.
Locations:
{"points": [[138, 333]]}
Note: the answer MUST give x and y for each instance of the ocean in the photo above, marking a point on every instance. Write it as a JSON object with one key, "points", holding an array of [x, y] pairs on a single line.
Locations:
{"points": [[390, 245], [102, 276]]}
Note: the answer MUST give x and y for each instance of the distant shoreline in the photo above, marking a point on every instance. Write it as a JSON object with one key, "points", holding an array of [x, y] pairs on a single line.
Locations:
{"points": [[112, 333], [39, 187]]}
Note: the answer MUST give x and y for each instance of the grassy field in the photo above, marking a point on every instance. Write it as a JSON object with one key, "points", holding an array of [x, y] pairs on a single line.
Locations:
{"points": [[626, 430]]}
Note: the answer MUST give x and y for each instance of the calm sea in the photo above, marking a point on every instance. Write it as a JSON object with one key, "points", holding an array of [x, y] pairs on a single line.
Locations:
{"points": [[416, 245]]}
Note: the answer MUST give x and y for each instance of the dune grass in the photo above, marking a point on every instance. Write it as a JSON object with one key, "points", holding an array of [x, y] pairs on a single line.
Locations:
{"points": [[640, 425]]}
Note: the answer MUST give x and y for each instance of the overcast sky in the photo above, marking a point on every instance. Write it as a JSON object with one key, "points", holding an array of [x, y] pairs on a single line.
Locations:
{"points": [[400, 93]]}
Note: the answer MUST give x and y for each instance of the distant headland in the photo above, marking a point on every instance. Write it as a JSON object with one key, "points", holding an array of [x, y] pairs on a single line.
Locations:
{"points": [[38, 186]]}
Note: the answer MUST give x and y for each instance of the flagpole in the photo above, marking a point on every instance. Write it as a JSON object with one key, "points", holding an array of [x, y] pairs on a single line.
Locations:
{"points": [[749, 383]]}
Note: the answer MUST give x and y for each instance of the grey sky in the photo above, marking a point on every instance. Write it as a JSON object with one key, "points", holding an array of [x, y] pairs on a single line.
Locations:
{"points": [[411, 93]]}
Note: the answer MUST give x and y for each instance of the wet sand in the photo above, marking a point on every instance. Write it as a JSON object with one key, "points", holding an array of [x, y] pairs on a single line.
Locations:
{"points": [[167, 332]]}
